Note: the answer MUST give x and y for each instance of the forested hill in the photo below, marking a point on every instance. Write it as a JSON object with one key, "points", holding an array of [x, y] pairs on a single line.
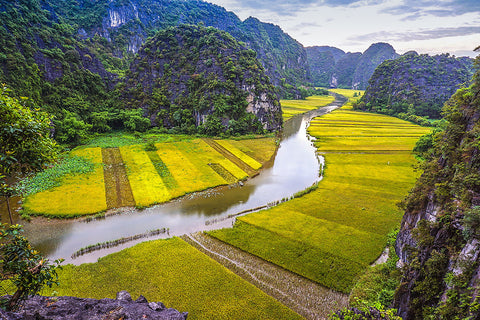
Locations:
{"points": [[439, 239], [200, 79], [416, 84], [116, 29], [332, 67]]}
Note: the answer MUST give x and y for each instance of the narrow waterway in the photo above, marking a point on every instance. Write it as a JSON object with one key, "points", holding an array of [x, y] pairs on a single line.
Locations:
{"points": [[295, 167]]}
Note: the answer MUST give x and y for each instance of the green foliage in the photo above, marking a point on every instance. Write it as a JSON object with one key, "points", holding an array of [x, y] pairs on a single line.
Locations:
{"points": [[71, 129], [175, 87], [52, 176], [471, 223], [24, 136], [376, 288], [22, 267], [421, 85]]}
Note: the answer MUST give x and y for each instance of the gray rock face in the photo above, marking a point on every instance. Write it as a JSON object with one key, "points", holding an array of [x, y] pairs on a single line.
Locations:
{"points": [[72, 308]]}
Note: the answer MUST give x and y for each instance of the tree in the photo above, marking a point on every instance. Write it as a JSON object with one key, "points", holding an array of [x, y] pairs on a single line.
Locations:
{"points": [[23, 266], [25, 144]]}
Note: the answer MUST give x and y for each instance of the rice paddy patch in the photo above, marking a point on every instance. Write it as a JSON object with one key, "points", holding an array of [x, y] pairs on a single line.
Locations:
{"points": [[224, 173], [162, 170], [177, 274], [291, 108], [260, 149], [147, 186], [78, 194], [190, 171], [329, 270], [252, 163]]}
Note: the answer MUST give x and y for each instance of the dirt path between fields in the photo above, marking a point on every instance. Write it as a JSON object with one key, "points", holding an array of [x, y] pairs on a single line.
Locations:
{"points": [[117, 187], [304, 296]]}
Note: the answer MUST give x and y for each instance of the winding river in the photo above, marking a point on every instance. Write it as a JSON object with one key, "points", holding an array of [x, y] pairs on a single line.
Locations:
{"points": [[295, 167]]}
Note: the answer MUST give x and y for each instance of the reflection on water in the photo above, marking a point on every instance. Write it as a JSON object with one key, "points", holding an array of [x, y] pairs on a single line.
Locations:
{"points": [[294, 168]]}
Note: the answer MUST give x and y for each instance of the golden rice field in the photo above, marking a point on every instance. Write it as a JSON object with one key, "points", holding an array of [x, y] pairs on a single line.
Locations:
{"points": [[291, 108], [174, 169], [174, 272], [333, 233]]}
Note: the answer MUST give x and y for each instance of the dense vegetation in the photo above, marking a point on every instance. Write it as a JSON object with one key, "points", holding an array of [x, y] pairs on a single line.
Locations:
{"points": [[415, 85], [440, 231], [197, 79], [331, 67]]}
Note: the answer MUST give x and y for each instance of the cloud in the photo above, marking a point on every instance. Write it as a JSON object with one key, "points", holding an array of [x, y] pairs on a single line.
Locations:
{"points": [[287, 7], [418, 35], [415, 9]]}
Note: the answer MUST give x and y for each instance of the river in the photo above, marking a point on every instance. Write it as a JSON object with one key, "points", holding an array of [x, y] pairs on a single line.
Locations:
{"points": [[294, 167]]}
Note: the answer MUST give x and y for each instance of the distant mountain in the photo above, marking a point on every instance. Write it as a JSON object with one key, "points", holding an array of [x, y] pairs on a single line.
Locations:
{"points": [[198, 79], [369, 60], [416, 84], [322, 62], [332, 67]]}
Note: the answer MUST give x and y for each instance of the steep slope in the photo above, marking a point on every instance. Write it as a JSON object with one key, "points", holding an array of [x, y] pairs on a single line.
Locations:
{"points": [[330, 66], [417, 84], [322, 63], [370, 59], [124, 25], [439, 240], [41, 59], [198, 79]]}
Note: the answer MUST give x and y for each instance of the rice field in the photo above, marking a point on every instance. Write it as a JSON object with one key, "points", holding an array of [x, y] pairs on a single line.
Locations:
{"points": [[63, 201], [291, 108], [177, 274], [333, 233], [133, 175]]}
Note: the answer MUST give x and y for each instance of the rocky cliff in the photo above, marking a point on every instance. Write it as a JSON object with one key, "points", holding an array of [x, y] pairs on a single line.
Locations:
{"points": [[416, 84], [330, 66], [71, 308], [198, 79], [439, 240], [118, 28]]}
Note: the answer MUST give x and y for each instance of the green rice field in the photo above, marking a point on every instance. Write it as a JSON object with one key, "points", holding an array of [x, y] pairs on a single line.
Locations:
{"points": [[333, 233], [134, 175]]}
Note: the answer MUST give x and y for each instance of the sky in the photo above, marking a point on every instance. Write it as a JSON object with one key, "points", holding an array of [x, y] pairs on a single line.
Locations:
{"points": [[426, 26]]}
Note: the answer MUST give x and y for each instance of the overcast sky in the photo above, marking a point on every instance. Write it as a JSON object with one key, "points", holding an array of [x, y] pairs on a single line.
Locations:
{"points": [[426, 26]]}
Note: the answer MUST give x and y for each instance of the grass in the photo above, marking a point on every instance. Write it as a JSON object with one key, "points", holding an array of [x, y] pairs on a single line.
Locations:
{"points": [[291, 108], [369, 168], [63, 201], [175, 273]]}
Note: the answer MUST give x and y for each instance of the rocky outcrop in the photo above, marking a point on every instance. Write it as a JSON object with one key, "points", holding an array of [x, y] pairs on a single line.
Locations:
{"points": [[71, 308], [196, 78], [439, 239]]}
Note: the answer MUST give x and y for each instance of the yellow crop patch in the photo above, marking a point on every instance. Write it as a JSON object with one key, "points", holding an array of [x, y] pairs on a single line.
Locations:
{"points": [[291, 108], [78, 194], [239, 154], [147, 186]]}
